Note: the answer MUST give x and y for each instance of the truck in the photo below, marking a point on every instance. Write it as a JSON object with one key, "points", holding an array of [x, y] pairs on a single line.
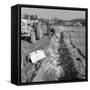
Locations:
{"points": [[27, 30], [33, 29]]}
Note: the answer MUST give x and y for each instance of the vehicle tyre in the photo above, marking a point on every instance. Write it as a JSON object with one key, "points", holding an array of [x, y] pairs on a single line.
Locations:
{"points": [[33, 37], [39, 33]]}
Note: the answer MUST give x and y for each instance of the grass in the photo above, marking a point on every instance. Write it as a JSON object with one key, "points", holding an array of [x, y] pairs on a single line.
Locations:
{"points": [[78, 37]]}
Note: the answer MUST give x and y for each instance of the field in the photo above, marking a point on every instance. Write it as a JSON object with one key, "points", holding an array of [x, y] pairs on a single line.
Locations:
{"points": [[78, 37], [66, 55]]}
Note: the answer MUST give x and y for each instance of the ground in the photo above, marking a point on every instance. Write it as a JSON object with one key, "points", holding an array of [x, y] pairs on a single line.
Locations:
{"points": [[70, 65]]}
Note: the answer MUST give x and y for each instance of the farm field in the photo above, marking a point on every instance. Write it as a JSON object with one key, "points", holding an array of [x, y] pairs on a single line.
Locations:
{"points": [[78, 37], [65, 59]]}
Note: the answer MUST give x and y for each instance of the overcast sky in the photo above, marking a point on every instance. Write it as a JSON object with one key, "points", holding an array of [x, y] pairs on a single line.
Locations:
{"points": [[50, 13]]}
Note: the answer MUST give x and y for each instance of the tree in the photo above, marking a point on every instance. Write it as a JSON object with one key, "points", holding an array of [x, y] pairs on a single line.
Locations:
{"points": [[25, 16]]}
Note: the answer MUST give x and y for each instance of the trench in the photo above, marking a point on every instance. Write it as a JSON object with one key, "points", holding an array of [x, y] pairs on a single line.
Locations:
{"points": [[66, 61], [73, 64]]}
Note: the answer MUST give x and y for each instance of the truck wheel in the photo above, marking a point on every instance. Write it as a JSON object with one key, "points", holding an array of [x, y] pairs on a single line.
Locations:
{"points": [[44, 29], [33, 38], [39, 33]]}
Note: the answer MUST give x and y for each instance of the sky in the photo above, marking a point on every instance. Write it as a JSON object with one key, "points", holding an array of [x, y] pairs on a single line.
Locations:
{"points": [[51, 13]]}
